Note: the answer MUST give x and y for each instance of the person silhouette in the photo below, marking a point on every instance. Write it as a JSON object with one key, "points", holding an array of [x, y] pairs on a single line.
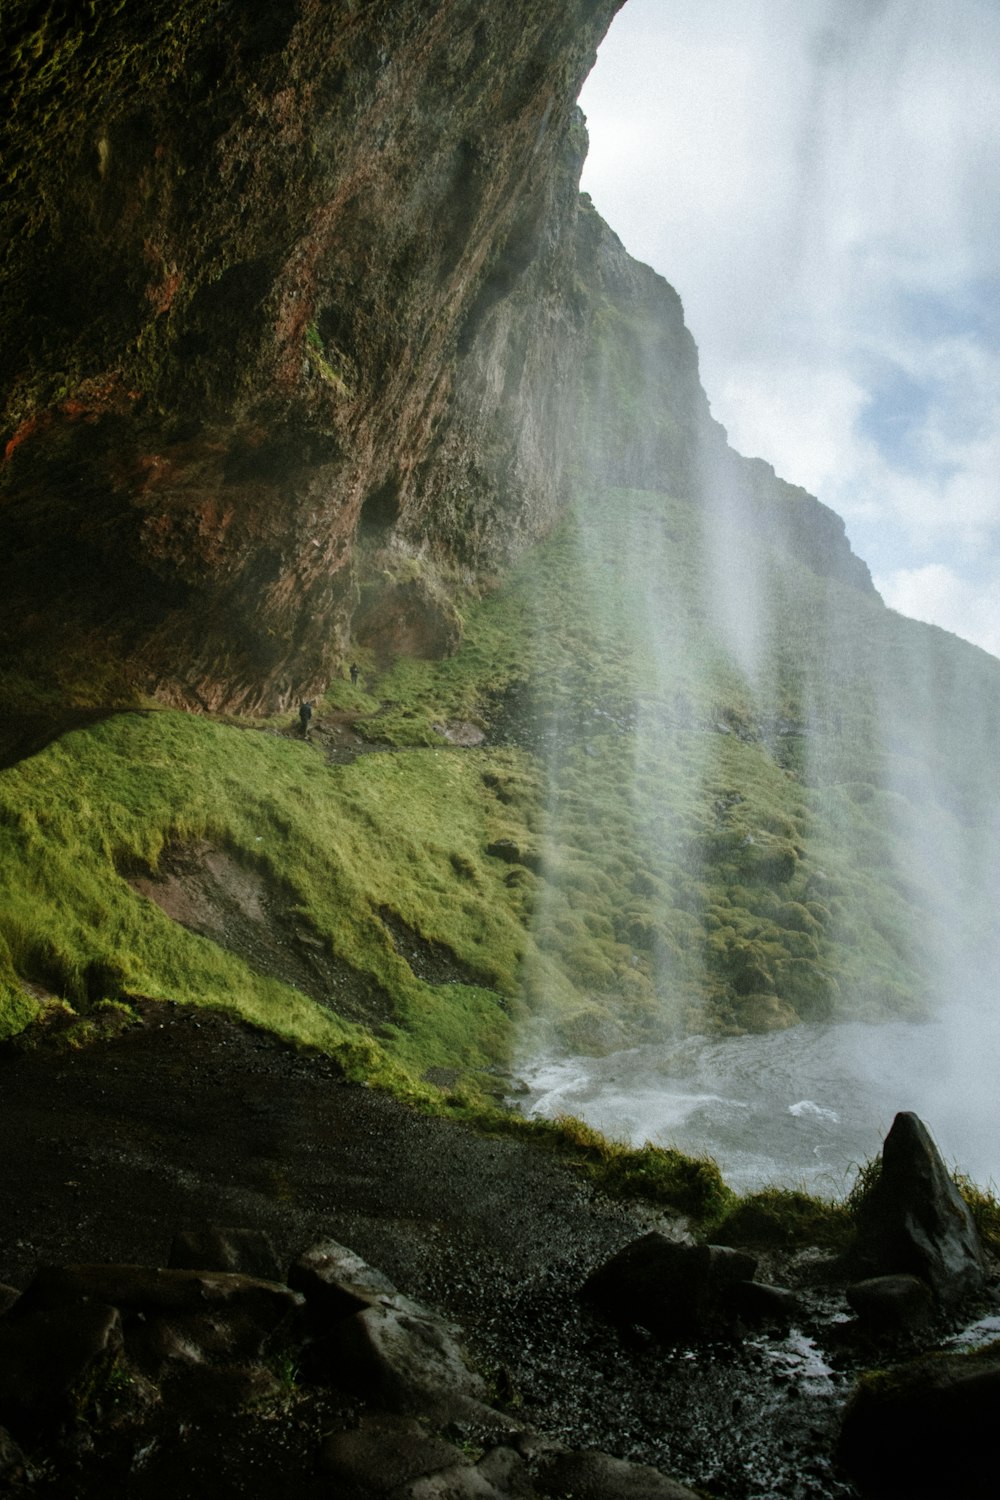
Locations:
{"points": [[355, 671], [305, 714]]}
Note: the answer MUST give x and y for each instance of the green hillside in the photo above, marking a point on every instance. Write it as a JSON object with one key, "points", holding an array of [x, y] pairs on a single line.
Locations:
{"points": [[695, 808]]}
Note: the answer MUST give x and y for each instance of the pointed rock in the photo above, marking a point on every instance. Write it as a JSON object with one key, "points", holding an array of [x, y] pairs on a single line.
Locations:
{"points": [[337, 1283], [404, 1360], [914, 1220]]}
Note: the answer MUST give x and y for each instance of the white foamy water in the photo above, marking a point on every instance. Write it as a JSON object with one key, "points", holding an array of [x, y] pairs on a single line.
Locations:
{"points": [[794, 1108]]}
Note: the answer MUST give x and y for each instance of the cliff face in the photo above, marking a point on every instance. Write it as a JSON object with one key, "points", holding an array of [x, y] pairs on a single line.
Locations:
{"points": [[297, 295]]}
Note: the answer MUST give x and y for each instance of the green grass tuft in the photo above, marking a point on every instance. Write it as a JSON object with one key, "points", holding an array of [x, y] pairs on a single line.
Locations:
{"points": [[784, 1218]]}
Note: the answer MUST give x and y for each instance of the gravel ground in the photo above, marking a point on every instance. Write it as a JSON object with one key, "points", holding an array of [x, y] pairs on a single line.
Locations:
{"points": [[194, 1119]]}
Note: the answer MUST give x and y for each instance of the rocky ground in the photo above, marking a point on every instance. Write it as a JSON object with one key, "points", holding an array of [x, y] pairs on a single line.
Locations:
{"points": [[192, 1120]]}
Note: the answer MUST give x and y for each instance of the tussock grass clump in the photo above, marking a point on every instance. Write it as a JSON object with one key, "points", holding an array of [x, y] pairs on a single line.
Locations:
{"points": [[984, 1206], [784, 1218]]}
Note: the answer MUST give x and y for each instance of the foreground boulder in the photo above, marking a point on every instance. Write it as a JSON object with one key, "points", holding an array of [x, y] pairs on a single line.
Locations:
{"points": [[388, 1347], [927, 1429], [385, 1451], [12, 1461], [130, 1352], [148, 1289], [336, 1283], [406, 1360], [914, 1220]]}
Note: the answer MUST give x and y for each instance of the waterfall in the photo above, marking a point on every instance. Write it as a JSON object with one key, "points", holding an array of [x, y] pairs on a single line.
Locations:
{"points": [[773, 803]]}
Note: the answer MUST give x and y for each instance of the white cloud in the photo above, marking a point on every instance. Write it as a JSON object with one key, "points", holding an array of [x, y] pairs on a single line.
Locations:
{"points": [[939, 596], [801, 417]]}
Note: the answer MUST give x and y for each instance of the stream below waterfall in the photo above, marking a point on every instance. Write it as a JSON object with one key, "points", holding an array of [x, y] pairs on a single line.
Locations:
{"points": [[796, 1108]]}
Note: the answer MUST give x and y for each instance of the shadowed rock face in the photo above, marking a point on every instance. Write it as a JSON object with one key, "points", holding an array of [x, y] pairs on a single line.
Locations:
{"points": [[300, 296], [247, 244]]}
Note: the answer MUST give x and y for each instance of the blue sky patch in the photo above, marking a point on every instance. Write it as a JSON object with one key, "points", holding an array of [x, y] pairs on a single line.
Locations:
{"points": [[896, 414]]}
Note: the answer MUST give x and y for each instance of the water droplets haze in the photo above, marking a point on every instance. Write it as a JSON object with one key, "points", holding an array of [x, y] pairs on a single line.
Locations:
{"points": [[800, 1108]]}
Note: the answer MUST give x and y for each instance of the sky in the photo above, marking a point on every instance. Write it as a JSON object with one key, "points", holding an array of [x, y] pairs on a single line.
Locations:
{"points": [[820, 181]]}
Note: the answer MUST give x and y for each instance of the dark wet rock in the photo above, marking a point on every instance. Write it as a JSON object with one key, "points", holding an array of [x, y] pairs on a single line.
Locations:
{"points": [[761, 1306], [891, 1304], [927, 1429], [507, 1471], [146, 1289], [336, 1283], [160, 1346], [464, 1482], [379, 1341], [406, 1359], [385, 1454], [385, 1451], [214, 1392], [53, 1362], [173, 1319], [248, 1252], [675, 1290], [914, 1219], [598, 1476]]}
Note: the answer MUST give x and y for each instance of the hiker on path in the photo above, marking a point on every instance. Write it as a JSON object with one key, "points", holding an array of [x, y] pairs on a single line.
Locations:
{"points": [[305, 714], [355, 672]]}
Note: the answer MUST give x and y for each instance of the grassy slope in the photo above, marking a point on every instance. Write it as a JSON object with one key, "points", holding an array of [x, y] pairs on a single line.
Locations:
{"points": [[404, 830], [756, 809], [718, 829]]}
